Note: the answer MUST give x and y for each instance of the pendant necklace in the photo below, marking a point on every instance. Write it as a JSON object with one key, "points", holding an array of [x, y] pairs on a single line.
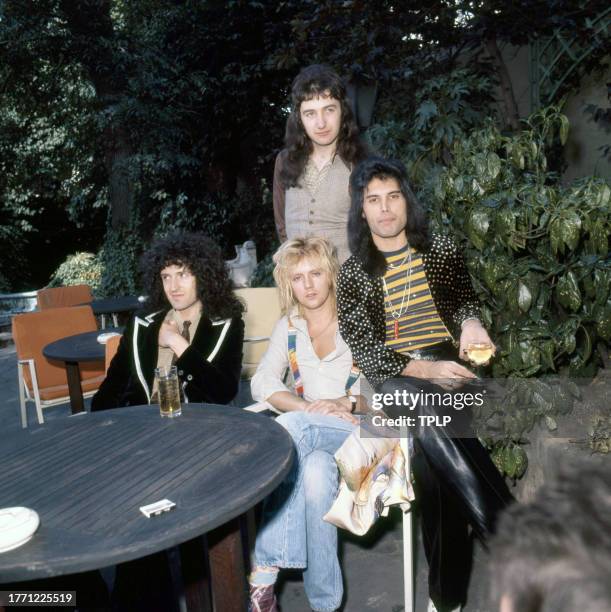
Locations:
{"points": [[407, 286]]}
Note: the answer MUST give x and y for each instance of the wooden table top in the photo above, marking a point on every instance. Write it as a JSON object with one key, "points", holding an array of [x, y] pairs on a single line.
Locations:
{"points": [[87, 476]]}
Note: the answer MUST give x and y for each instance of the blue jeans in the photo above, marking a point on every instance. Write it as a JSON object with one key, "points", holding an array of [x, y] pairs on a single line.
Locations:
{"points": [[292, 532]]}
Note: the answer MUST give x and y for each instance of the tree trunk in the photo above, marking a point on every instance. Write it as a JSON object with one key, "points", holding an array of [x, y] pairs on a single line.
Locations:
{"points": [[120, 187], [90, 24], [510, 107]]}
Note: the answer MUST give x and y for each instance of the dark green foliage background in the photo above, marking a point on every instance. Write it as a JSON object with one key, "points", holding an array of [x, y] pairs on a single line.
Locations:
{"points": [[123, 119], [137, 116]]}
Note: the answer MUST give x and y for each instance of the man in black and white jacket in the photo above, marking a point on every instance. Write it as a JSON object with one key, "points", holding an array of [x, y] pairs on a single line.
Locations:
{"points": [[405, 302], [195, 323]]}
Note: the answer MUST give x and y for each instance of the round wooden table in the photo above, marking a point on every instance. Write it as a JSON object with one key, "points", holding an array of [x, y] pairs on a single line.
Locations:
{"points": [[73, 350], [88, 475]]}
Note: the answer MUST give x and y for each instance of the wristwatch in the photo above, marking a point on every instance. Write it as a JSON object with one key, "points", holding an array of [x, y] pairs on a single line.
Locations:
{"points": [[353, 403]]}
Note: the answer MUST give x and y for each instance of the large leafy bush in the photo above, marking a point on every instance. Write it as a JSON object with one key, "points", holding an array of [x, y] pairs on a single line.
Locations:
{"points": [[538, 249], [79, 269]]}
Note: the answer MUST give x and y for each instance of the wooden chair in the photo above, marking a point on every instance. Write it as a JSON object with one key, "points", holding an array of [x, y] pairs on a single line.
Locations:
{"points": [[262, 312], [111, 346], [42, 381], [57, 297]]}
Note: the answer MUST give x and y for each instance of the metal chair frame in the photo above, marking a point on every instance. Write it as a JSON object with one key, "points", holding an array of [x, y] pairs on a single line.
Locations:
{"points": [[25, 395]]}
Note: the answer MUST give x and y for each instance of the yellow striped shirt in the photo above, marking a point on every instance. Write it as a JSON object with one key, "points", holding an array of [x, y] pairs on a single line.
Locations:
{"points": [[419, 325]]}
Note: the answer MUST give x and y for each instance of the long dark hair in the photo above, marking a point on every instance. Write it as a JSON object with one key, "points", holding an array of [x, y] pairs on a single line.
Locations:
{"points": [[317, 80], [205, 261], [359, 235]]}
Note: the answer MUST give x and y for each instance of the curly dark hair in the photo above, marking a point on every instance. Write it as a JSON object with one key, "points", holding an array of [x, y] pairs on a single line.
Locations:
{"points": [[204, 259], [359, 235], [312, 81]]}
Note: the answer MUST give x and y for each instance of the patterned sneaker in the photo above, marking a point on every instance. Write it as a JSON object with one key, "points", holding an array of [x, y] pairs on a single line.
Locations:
{"points": [[262, 599]]}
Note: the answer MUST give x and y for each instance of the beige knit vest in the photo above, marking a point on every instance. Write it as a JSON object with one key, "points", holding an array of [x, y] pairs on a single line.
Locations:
{"points": [[323, 213]]}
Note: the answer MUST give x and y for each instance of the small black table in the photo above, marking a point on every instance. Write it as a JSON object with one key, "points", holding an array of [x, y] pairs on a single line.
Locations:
{"points": [[114, 305], [75, 349], [87, 476]]}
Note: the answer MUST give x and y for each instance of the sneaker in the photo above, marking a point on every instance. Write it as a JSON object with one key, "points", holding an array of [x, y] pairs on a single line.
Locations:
{"points": [[262, 599]]}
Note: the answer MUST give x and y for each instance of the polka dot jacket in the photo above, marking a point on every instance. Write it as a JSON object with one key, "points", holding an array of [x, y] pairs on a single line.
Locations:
{"points": [[360, 305]]}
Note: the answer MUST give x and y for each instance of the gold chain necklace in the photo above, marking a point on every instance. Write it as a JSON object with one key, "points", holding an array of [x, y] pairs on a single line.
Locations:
{"points": [[407, 289]]}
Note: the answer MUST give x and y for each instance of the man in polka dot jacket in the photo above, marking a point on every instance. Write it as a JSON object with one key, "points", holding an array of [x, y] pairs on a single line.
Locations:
{"points": [[403, 298]]}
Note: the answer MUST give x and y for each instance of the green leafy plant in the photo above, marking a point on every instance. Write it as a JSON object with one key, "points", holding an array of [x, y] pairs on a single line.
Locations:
{"points": [[446, 108], [512, 409], [510, 459], [599, 436], [228, 220], [79, 269], [538, 253], [263, 276], [537, 249], [119, 258]]}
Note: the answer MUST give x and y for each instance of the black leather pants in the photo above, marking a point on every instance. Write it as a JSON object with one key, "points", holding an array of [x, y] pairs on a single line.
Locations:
{"points": [[457, 485]]}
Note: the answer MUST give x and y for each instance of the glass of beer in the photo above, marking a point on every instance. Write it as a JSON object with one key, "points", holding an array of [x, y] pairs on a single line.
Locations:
{"points": [[169, 391], [479, 353]]}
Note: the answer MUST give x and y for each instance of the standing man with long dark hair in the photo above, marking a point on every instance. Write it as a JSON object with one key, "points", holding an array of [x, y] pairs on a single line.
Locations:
{"points": [[405, 302], [312, 172]]}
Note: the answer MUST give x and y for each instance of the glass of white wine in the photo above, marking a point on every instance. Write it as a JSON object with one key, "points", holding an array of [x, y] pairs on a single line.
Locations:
{"points": [[479, 353]]}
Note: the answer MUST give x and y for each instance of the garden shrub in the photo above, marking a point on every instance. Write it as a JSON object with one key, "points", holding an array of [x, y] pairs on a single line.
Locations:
{"points": [[119, 257], [538, 253], [229, 220], [537, 249], [539, 257], [79, 269], [263, 276], [445, 109]]}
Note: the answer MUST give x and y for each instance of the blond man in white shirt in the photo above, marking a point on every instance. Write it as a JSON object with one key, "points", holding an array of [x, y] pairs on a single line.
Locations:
{"points": [[319, 404]]}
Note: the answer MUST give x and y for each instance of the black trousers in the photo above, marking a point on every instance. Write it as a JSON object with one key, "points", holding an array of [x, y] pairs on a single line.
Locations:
{"points": [[456, 486]]}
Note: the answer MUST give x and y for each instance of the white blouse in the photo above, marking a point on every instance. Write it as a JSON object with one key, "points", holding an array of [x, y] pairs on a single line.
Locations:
{"points": [[322, 378]]}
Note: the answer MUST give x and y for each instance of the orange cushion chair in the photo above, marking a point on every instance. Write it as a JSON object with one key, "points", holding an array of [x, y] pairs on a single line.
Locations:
{"points": [[43, 381], [56, 297]]}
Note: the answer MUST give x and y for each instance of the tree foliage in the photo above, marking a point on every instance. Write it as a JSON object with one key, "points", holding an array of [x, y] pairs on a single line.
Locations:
{"points": [[538, 249], [116, 108], [171, 112]]}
